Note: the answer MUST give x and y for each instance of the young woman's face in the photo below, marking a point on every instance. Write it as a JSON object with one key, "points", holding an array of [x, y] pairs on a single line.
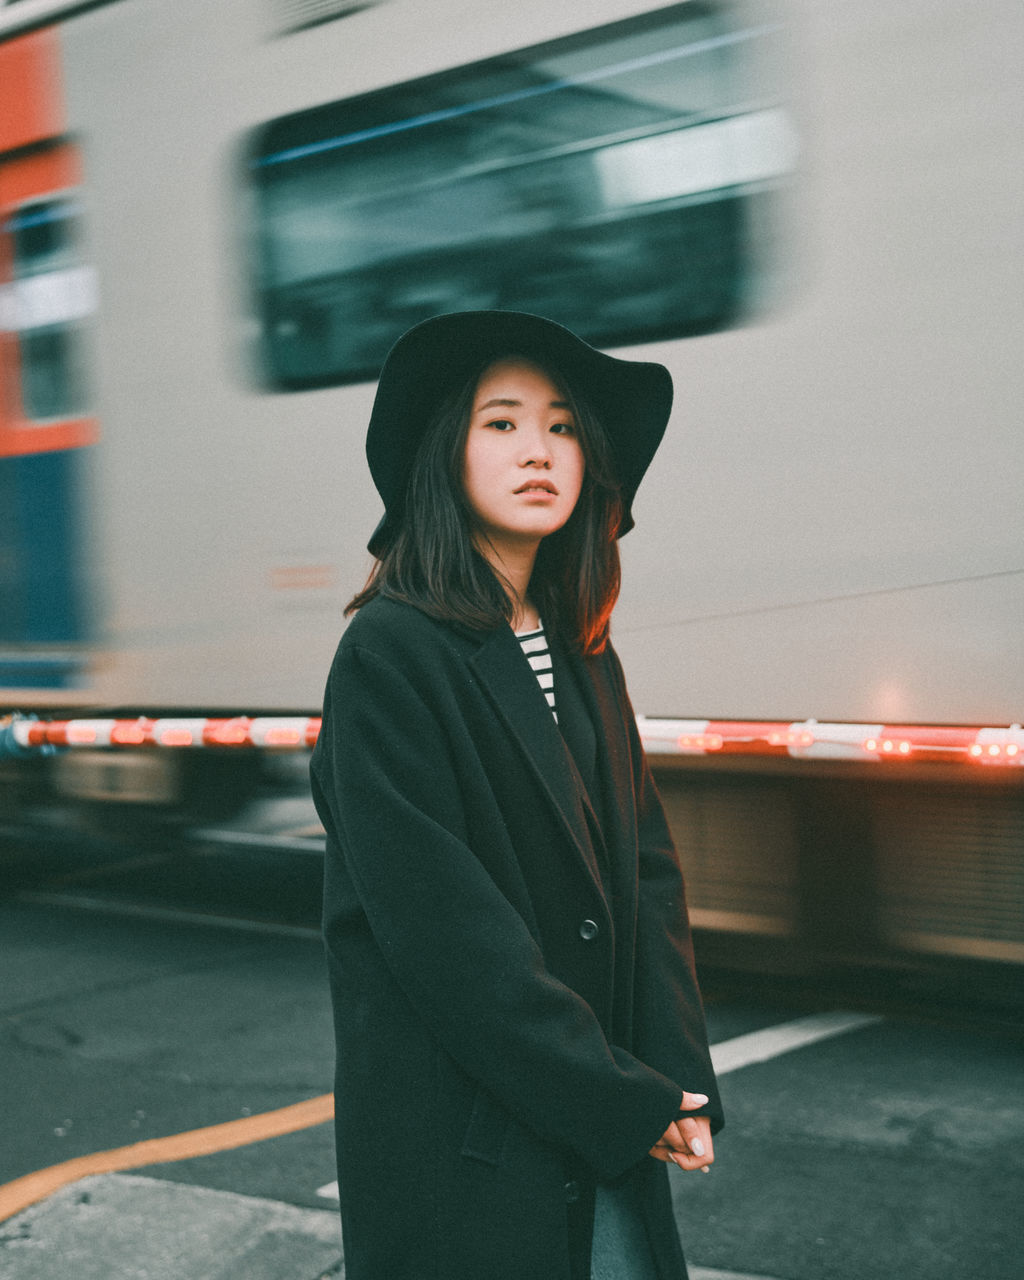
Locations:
{"points": [[523, 465]]}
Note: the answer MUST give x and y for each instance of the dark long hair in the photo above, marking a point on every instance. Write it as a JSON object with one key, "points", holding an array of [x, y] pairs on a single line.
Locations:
{"points": [[431, 561]]}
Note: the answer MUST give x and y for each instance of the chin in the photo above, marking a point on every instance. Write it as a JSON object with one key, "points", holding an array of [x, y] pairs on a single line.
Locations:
{"points": [[543, 529]]}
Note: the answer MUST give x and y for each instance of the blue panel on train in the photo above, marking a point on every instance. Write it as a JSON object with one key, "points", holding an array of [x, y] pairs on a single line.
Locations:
{"points": [[41, 600]]}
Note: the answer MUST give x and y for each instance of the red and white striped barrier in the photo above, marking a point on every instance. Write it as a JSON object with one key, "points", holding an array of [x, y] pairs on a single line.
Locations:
{"points": [[814, 740], [798, 740], [239, 731]]}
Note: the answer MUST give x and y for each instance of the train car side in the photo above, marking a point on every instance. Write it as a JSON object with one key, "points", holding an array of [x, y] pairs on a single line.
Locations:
{"points": [[832, 532]]}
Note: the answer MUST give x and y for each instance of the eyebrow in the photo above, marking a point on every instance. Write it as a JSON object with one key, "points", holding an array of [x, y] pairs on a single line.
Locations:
{"points": [[516, 404]]}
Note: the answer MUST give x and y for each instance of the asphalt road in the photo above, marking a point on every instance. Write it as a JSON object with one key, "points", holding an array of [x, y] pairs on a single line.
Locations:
{"points": [[893, 1148]]}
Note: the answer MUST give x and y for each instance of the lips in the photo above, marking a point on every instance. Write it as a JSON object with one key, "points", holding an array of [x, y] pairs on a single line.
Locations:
{"points": [[537, 486]]}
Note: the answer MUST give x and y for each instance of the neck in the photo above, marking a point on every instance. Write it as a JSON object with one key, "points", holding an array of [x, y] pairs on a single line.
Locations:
{"points": [[513, 565]]}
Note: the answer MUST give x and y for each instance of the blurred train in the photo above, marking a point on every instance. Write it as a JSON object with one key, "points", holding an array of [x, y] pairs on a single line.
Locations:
{"points": [[214, 220]]}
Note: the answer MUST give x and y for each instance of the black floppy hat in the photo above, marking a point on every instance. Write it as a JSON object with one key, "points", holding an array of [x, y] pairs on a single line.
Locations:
{"points": [[632, 398]]}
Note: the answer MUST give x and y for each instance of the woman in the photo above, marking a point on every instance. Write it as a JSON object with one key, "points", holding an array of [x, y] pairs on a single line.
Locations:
{"points": [[520, 1042]]}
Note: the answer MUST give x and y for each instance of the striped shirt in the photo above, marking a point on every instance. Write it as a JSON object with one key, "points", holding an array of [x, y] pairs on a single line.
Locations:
{"points": [[538, 655]]}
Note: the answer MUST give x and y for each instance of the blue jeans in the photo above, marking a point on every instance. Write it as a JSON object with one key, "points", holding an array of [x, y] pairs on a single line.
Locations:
{"points": [[621, 1250]]}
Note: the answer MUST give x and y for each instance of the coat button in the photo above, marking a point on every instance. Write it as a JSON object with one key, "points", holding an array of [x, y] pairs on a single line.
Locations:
{"points": [[572, 1192], [589, 930]]}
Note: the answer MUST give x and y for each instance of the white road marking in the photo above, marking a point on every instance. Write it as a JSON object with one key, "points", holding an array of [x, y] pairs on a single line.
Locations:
{"points": [[769, 1042], [709, 1273], [329, 1191]]}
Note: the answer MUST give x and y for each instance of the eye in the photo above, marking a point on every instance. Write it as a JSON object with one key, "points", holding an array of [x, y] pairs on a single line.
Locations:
{"points": [[501, 424], [564, 429]]}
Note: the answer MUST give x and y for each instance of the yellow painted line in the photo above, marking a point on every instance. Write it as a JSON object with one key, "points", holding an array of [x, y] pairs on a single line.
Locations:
{"points": [[33, 1187]]}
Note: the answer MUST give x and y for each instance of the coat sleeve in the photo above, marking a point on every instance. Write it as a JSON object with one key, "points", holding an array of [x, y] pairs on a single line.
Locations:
{"points": [[462, 954], [669, 1025]]}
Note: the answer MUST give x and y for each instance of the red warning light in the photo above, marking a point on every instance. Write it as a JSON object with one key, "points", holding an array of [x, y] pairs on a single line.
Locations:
{"points": [[226, 733], [128, 733]]}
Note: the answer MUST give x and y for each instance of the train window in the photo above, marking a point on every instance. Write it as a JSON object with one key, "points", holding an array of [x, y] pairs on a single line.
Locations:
{"points": [[49, 297], [612, 180]]}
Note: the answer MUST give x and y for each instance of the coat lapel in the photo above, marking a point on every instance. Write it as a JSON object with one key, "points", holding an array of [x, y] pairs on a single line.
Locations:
{"points": [[514, 690], [613, 763]]}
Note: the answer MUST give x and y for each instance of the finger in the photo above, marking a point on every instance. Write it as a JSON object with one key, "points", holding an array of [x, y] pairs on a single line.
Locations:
{"points": [[673, 1138], [690, 1163], [692, 1144], [698, 1148], [684, 1157], [682, 1135], [691, 1101]]}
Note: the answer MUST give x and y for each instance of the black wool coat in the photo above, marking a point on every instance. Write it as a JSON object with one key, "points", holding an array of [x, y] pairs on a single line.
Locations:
{"points": [[515, 1006]]}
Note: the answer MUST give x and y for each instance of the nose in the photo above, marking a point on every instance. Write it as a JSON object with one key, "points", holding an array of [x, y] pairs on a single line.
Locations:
{"points": [[536, 449]]}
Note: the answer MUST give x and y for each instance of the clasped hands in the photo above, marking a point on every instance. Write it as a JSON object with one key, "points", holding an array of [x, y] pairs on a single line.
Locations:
{"points": [[687, 1142]]}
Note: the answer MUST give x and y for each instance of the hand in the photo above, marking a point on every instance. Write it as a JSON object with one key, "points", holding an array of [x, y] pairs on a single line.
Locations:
{"points": [[687, 1143]]}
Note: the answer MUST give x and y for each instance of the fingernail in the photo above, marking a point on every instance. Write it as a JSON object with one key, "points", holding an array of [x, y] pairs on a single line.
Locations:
{"points": [[698, 1099], [705, 1168], [697, 1147]]}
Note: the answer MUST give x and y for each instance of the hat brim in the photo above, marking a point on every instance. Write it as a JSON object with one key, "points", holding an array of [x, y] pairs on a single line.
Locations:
{"points": [[632, 398]]}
